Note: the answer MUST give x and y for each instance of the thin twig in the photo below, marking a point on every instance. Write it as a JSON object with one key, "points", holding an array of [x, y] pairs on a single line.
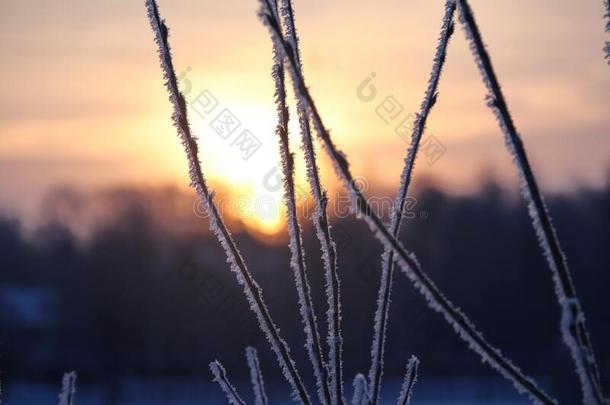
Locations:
{"points": [[68, 389], [387, 274], [360, 390], [407, 262], [409, 381], [256, 376], [574, 331], [607, 17], [320, 220], [251, 289], [297, 261], [220, 376]]}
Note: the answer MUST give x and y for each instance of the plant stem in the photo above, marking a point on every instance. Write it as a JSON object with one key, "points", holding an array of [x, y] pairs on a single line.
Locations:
{"points": [[407, 262], [321, 223], [297, 261], [573, 327], [252, 290], [387, 274]]}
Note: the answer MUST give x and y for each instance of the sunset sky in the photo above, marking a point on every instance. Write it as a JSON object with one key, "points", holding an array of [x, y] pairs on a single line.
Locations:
{"points": [[82, 102]]}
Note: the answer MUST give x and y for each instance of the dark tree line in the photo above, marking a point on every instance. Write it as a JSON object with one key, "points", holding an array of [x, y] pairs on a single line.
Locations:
{"points": [[139, 299]]}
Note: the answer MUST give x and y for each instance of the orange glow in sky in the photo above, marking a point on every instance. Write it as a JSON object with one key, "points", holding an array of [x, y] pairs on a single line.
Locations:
{"points": [[83, 102]]}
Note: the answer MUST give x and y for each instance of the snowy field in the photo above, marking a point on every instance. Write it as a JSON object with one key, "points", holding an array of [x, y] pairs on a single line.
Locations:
{"points": [[131, 391]]}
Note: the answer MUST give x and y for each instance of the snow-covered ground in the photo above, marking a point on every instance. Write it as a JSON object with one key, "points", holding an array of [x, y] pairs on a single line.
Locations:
{"points": [[138, 391]]}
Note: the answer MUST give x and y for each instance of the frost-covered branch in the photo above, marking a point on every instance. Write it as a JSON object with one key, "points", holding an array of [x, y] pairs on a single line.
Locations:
{"points": [[607, 17], [409, 381], [320, 218], [297, 260], [387, 273], [251, 289], [361, 396], [407, 261], [256, 376], [574, 331], [220, 376], [68, 389]]}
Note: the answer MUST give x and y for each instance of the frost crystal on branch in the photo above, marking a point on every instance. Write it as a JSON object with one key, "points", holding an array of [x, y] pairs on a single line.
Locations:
{"points": [[320, 217], [360, 390], [252, 290], [68, 389], [220, 376], [387, 274], [256, 376], [607, 17], [297, 261], [574, 331], [409, 382]]}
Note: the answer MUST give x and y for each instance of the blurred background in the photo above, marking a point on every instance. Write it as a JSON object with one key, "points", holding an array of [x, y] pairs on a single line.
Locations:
{"points": [[108, 267]]}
